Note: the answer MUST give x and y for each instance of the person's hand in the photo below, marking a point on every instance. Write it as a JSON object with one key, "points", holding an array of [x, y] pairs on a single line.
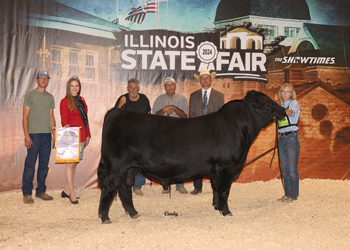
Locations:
{"points": [[67, 126], [53, 141], [53, 137], [169, 109], [289, 112], [87, 141], [28, 142], [122, 101]]}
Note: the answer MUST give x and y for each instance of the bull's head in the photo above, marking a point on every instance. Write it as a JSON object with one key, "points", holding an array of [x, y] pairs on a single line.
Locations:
{"points": [[264, 104]]}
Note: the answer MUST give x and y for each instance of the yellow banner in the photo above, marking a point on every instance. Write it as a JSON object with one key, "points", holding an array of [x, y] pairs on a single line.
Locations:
{"points": [[67, 144]]}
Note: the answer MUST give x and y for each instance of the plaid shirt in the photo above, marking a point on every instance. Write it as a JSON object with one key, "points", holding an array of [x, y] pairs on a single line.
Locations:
{"points": [[293, 105]]}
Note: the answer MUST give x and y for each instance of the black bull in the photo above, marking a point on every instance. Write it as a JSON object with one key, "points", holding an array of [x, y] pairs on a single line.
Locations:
{"points": [[174, 150]]}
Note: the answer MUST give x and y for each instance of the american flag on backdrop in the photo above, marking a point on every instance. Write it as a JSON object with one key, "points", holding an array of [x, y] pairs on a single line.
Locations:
{"points": [[137, 14]]}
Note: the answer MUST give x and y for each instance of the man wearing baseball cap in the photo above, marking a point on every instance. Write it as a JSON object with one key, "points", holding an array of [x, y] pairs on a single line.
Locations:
{"points": [[38, 125], [174, 105], [204, 101]]}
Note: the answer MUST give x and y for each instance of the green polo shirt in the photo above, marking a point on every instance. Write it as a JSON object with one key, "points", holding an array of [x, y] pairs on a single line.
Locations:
{"points": [[39, 116]]}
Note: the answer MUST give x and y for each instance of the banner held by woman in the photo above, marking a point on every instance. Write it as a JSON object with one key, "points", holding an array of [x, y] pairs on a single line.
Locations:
{"points": [[67, 144]]}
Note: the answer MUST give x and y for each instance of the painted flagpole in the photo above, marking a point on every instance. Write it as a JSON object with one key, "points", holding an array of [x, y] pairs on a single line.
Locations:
{"points": [[156, 15], [167, 8]]}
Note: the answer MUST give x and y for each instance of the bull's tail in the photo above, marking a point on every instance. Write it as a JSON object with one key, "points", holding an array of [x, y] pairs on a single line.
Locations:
{"points": [[101, 173]]}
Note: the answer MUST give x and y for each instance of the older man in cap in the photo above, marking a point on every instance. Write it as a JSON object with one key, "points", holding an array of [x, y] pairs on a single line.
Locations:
{"points": [[38, 124], [174, 105], [204, 101]]}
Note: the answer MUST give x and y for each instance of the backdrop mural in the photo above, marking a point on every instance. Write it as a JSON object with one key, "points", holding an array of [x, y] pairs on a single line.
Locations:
{"points": [[251, 44]]}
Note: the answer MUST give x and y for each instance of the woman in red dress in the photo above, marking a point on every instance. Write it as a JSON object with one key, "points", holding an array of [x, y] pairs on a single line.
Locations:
{"points": [[73, 111]]}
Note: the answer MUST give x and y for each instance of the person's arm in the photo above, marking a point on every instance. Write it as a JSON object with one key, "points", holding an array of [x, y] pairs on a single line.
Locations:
{"points": [[192, 106], [121, 103], [27, 140], [87, 141], [170, 109], [53, 126], [160, 112], [178, 111], [88, 134], [157, 109], [64, 112], [148, 106], [183, 107], [294, 110], [53, 120]]}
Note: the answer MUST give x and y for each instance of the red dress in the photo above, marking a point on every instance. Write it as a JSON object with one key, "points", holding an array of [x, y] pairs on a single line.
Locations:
{"points": [[73, 118]]}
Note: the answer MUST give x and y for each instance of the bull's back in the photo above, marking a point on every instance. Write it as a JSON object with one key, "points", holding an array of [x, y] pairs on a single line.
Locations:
{"points": [[156, 136]]}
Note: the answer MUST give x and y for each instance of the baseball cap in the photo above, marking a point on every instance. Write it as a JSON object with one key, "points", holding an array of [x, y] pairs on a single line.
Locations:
{"points": [[169, 79], [42, 73]]}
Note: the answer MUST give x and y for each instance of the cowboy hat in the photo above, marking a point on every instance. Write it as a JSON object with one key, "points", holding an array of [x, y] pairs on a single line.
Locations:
{"points": [[205, 72]]}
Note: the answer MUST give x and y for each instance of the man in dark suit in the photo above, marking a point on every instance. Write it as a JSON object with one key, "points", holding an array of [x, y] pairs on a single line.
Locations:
{"points": [[204, 101]]}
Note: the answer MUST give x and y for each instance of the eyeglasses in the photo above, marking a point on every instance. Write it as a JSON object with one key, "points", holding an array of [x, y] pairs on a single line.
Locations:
{"points": [[285, 91]]}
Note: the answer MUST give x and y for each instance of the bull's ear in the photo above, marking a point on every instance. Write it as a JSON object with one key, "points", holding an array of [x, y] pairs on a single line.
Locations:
{"points": [[252, 99], [249, 96]]}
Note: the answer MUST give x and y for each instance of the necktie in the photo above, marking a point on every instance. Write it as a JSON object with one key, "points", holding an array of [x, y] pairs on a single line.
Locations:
{"points": [[205, 103]]}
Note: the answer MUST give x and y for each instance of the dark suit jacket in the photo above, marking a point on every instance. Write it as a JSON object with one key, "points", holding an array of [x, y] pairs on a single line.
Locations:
{"points": [[216, 101]]}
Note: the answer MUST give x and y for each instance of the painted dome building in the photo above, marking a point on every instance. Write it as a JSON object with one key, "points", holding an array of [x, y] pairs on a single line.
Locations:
{"points": [[276, 17], [247, 38]]}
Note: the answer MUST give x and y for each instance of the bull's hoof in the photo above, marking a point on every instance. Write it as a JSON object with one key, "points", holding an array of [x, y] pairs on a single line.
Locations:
{"points": [[225, 213], [135, 216], [105, 220], [108, 221]]}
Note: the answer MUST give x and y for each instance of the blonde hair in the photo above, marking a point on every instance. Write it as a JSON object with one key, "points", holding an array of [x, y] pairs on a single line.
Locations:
{"points": [[69, 96], [287, 85]]}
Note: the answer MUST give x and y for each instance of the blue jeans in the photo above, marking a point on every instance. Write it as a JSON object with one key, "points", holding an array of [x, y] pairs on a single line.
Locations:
{"points": [[139, 181], [289, 148], [179, 184], [42, 147]]}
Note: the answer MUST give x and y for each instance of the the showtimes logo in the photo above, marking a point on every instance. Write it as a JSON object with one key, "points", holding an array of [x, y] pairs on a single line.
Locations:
{"points": [[306, 60]]}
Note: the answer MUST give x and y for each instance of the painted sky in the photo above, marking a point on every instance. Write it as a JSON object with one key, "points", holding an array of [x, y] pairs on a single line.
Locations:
{"points": [[197, 15]]}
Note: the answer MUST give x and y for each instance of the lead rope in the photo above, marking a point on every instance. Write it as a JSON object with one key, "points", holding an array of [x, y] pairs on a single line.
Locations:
{"points": [[261, 156], [273, 155]]}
